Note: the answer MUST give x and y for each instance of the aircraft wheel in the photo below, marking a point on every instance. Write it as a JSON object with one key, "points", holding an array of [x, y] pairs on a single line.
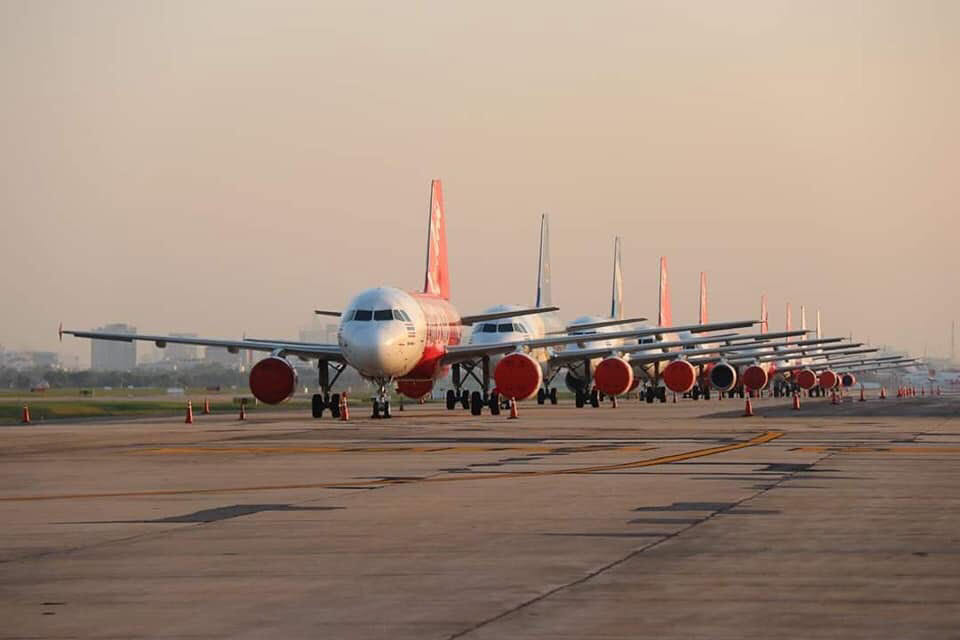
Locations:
{"points": [[494, 404], [476, 403], [662, 394], [695, 393], [541, 396], [648, 395], [376, 409], [334, 405], [451, 399], [465, 399], [317, 405], [579, 400], [594, 398], [553, 395], [386, 410], [706, 393]]}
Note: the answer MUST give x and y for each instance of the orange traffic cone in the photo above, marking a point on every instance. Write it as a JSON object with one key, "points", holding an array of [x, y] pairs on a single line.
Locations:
{"points": [[883, 393], [344, 407], [748, 408], [796, 402], [189, 418], [243, 410], [513, 409], [25, 418], [206, 407], [862, 399]]}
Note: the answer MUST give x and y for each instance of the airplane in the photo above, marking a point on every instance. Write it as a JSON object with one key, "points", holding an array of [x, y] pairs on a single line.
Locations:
{"points": [[387, 334]]}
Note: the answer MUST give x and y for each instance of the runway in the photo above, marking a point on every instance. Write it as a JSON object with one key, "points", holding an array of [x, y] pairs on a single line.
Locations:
{"points": [[671, 521]]}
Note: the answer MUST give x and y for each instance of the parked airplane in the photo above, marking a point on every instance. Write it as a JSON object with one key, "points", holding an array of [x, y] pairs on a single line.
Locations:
{"points": [[387, 334]]}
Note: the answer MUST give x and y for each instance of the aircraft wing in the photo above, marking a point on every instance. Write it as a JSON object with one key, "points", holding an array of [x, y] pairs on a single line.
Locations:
{"points": [[483, 317], [283, 347]]}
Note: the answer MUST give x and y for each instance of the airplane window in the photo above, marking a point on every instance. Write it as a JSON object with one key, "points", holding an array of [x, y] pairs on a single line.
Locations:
{"points": [[383, 314], [362, 314], [488, 328], [400, 314], [505, 327]]}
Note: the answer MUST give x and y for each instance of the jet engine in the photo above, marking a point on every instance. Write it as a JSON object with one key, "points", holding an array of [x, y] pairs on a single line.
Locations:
{"points": [[614, 376], [828, 379], [679, 376], [414, 388], [273, 380], [755, 377], [518, 376], [723, 376], [848, 379], [806, 378]]}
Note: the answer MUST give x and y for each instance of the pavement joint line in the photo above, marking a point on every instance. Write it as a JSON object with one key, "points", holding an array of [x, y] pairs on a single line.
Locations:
{"points": [[678, 457], [634, 553]]}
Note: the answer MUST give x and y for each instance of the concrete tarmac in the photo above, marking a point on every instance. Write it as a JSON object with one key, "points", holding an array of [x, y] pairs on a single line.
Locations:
{"points": [[670, 521]]}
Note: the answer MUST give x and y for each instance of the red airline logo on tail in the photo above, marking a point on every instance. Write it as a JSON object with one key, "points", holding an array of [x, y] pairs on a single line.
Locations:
{"points": [[437, 281], [666, 317]]}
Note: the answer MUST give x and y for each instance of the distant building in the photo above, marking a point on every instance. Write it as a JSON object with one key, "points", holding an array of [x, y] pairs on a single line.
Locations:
{"points": [[219, 355], [110, 355], [324, 333], [182, 353], [22, 360]]}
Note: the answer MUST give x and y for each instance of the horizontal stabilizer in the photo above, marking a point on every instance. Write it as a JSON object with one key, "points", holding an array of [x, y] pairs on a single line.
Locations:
{"points": [[585, 326], [321, 312]]}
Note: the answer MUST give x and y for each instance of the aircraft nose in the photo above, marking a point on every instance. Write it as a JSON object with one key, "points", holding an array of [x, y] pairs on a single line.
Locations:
{"points": [[375, 349]]}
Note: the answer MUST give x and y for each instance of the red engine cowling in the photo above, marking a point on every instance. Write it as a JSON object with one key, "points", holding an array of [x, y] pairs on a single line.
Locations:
{"points": [[273, 380], [806, 378], [613, 376], [414, 388], [723, 376], [679, 376], [848, 379], [518, 376], [755, 377], [828, 379]]}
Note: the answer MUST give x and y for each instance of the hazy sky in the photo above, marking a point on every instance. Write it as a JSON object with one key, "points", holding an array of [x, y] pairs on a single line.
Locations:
{"points": [[223, 167]]}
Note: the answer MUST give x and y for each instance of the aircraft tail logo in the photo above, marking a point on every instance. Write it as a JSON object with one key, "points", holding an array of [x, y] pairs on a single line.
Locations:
{"points": [[665, 317], [616, 298], [703, 297], [764, 324], [544, 275], [437, 280]]}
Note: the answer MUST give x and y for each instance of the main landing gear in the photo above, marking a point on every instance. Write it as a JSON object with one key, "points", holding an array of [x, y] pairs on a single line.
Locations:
{"points": [[325, 400], [652, 393]]}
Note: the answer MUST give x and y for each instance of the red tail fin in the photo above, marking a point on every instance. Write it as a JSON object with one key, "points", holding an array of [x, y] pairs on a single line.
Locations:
{"points": [[764, 325], [703, 297], [666, 317], [437, 280]]}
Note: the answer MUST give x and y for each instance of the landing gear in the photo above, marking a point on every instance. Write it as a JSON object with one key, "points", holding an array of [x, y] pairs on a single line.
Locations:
{"points": [[553, 395], [662, 394], [649, 394], [323, 400], [476, 403], [381, 401], [579, 399], [594, 398], [317, 405], [695, 393], [465, 399], [541, 396], [451, 399], [494, 404]]}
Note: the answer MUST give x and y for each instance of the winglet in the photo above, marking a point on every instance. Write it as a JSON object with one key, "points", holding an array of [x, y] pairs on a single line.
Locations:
{"points": [[703, 297], [789, 319], [544, 294], [665, 318], [437, 279], [764, 324], [60, 332]]}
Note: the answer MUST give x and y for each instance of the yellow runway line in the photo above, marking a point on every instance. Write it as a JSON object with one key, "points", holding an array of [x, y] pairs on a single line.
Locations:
{"points": [[678, 457], [172, 451]]}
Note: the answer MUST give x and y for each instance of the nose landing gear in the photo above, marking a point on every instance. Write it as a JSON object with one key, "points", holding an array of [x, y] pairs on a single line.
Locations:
{"points": [[381, 401]]}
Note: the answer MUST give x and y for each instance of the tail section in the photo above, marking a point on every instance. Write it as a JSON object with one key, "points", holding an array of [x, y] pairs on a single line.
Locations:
{"points": [[616, 297], [437, 280], [703, 297], [665, 316], [803, 317], [789, 325], [818, 324], [544, 275], [764, 324]]}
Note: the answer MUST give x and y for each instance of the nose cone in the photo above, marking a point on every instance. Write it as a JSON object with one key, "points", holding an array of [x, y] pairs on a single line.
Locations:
{"points": [[376, 349]]}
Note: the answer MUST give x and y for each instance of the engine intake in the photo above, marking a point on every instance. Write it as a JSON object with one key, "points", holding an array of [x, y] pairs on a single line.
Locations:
{"points": [[273, 380], [755, 377], [614, 376], [723, 376], [518, 376], [848, 379], [806, 378], [828, 379], [679, 376]]}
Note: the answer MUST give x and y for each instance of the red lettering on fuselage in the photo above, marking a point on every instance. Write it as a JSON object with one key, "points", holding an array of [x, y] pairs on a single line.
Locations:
{"points": [[443, 329]]}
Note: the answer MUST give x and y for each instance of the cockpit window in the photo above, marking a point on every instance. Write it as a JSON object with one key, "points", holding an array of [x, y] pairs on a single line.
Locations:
{"points": [[400, 314], [383, 314], [519, 327], [506, 327], [488, 328], [362, 314]]}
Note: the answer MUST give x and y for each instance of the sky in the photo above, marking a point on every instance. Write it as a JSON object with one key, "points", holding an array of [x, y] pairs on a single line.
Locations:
{"points": [[226, 167]]}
